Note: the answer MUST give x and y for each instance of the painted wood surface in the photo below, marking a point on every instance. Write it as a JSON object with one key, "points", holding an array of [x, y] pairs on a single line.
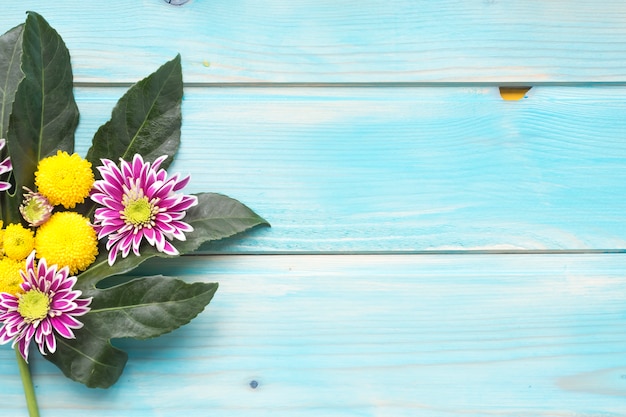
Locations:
{"points": [[399, 335], [406, 169], [322, 41], [419, 154]]}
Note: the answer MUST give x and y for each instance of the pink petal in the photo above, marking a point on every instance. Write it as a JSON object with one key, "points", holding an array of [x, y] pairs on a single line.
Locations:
{"points": [[166, 228], [51, 343], [149, 234], [67, 284], [23, 347], [8, 301], [126, 245], [28, 332], [138, 165], [180, 184], [45, 327], [4, 337], [169, 249], [159, 240], [182, 226], [81, 307], [137, 237], [61, 305], [184, 204], [112, 256], [63, 325], [157, 162]]}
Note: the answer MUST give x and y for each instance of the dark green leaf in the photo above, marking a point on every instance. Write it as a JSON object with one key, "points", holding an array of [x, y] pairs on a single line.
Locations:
{"points": [[10, 73], [146, 120], [44, 115], [10, 77], [146, 307], [142, 308], [216, 217], [89, 359]]}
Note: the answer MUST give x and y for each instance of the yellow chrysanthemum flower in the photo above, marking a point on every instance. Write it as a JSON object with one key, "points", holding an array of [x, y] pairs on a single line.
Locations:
{"points": [[18, 242], [64, 179], [67, 239], [10, 278]]}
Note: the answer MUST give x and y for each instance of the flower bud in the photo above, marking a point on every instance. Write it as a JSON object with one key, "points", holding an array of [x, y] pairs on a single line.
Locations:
{"points": [[35, 208]]}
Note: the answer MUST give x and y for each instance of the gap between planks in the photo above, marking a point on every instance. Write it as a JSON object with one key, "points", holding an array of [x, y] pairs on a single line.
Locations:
{"points": [[418, 252], [88, 84]]}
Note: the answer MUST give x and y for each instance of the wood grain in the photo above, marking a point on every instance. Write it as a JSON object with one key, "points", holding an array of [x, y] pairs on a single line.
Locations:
{"points": [[323, 41], [397, 335], [406, 169]]}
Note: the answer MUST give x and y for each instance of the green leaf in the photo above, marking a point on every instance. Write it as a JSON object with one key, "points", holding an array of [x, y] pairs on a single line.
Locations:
{"points": [[142, 308], [10, 77], [89, 359], [146, 120], [44, 114], [217, 217], [10, 73], [146, 307]]}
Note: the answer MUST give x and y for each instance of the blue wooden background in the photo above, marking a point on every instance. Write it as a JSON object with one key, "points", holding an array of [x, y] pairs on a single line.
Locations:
{"points": [[435, 250]]}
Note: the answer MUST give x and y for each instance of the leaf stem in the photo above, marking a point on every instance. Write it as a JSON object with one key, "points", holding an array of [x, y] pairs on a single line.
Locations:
{"points": [[27, 382]]}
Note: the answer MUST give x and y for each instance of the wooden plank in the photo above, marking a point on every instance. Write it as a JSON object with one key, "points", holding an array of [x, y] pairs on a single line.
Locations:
{"points": [[406, 169], [400, 335], [324, 41]]}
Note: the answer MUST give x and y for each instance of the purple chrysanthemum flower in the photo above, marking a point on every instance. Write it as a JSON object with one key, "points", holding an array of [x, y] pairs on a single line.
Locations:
{"points": [[5, 166], [139, 201], [47, 304]]}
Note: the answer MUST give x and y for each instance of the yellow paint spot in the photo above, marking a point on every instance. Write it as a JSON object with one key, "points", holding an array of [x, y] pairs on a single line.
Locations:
{"points": [[513, 93], [206, 63]]}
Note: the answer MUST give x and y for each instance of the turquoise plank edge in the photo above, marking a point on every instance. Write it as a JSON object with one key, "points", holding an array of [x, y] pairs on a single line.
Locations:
{"points": [[327, 41], [435, 335], [405, 169]]}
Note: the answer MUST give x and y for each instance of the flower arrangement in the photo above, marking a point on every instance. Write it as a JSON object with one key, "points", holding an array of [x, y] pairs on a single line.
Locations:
{"points": [[69, 222]]}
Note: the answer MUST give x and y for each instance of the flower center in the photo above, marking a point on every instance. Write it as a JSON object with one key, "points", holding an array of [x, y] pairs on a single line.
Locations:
{"points": [[33, 306], [139, 212]]}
